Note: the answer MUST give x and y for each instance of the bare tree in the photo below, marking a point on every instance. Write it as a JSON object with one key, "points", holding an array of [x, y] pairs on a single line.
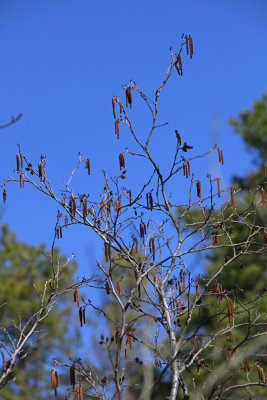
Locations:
{"points": [[19, 340], [167, 295]]}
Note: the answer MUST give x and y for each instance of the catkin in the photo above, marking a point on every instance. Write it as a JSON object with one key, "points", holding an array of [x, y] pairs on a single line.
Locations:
{"points": [[230, 308], [121, 161], [129, 98], [18, 161], [184, 279], [117, 128], [246, 365], [3, 360], [136, 245], [187, 46], [233, 197], [72, 375], [117, 335], [40, 171], [77, 297], [84, 208], [21, 159], [198, 188], [180, 288], [107, 251], [119, 288], [178, 136], [260, 372], [222, 157], [4, 195], [219, 154], [204, 212], [179, 61], [81, 316], [21, 180], [197, 289], [87, 166], [152, 247], [73, 206], [53, 381], [113, 108], [191, 46], [107, 288], [188, 168], [84, 315], [79, 392]]}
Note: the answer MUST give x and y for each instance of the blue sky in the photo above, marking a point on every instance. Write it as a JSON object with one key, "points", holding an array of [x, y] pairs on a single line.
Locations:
{"points": [[61, 63]]}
